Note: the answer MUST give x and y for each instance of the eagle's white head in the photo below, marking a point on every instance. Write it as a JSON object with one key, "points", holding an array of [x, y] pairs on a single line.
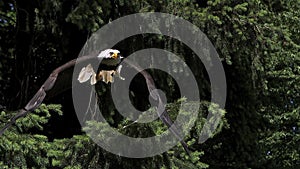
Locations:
{"points": [[109, 53]]}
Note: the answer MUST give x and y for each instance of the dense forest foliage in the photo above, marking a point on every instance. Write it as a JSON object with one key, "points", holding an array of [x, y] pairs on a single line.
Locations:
{"points": [[258, 42]]}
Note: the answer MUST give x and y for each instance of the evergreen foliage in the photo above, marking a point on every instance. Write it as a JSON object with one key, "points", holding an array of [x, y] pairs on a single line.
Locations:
{"points": [[258, 42]]}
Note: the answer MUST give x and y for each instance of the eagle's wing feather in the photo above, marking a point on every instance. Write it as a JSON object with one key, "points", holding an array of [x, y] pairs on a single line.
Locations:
{"points": [[48, 86], [160, 108], [86, 73], [93, 79], [118, 72]]}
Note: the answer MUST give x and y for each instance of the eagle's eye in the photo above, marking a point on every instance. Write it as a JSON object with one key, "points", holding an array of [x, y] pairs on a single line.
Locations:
{"points": [[111, 53]]}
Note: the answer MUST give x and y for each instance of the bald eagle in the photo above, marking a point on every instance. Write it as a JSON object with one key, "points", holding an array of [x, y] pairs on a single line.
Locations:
{"points": [[109, 67]]}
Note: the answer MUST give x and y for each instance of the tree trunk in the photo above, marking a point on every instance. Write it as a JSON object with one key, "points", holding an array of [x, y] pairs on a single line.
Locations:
{"points": [[23, 56]]}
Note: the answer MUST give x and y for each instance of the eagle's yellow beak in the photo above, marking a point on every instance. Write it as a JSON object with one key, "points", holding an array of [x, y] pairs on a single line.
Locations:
{"points": [[115, 55]]}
